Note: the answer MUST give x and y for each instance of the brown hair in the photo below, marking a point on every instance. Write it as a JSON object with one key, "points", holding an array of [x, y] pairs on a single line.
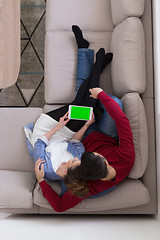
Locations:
{"points": [[76, 183], [92, 167]]}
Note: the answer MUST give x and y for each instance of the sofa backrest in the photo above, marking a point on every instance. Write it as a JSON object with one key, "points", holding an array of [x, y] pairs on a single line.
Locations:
{"points": [[91, 15], [128, 71], [122, 9]]}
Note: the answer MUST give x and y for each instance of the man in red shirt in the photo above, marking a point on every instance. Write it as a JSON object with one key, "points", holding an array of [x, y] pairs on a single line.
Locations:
{"points": [[119, 157]]}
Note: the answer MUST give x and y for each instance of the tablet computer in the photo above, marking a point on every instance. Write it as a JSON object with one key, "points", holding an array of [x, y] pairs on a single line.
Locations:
{"points": [[80, 112]]}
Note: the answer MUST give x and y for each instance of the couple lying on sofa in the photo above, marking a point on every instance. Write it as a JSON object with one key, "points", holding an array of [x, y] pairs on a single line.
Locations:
{"points": [[103, 159]]}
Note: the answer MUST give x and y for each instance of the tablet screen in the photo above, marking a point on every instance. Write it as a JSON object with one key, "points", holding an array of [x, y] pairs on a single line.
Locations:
{"points": [[80, 112]]}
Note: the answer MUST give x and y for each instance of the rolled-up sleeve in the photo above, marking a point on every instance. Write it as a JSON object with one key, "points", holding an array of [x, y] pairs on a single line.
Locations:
{"points": [[39, 148], [76, 148]]}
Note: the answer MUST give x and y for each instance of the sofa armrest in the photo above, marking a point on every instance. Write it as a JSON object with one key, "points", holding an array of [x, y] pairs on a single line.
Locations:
{"points": [[16, 189], [14, 153]]}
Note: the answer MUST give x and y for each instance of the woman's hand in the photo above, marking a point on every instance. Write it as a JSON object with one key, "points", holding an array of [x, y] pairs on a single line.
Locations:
{"points": [[39, 170], [89, 122], [63, 121], [94, 92]]}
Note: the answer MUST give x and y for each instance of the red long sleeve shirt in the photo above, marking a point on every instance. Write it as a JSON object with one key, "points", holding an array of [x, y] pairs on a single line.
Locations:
{"points": [[120, 156]]}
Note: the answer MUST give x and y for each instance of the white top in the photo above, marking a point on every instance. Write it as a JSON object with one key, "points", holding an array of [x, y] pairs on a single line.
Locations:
{"points": [[57, 145]]}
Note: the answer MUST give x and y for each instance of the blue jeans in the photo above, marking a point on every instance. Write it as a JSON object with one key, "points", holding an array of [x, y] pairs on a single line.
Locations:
{"points": [[106, 125], [85, 62]]}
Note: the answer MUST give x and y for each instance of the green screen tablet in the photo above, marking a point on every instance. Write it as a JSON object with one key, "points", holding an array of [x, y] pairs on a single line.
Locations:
{"points": [[80, 112]]}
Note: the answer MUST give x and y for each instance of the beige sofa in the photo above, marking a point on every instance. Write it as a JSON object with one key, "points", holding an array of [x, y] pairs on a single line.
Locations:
{"points": [[125, 28]]}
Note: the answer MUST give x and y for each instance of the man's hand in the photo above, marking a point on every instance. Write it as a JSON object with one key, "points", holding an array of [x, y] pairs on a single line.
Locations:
{"points": [[94, 92], [89, 122], [39, 170], [63, 121]]}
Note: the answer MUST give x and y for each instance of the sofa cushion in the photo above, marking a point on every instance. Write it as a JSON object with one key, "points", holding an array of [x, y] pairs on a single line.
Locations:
{"points": [[134, 110], [128, 64], [38, 198], [16, 189], [121, 9], [13, 144], [128, 194], [48, 108], [93, 15]]}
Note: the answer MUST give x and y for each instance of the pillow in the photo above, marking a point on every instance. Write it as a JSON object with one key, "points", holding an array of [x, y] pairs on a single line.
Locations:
{"points": [[38, 197], [121, 9], [134, 110], [128, 64], [92, 15], [16, 189]]}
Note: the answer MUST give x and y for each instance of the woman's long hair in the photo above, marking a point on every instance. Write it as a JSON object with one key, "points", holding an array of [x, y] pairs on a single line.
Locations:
{"points": [[93, 167], [76, 183]]}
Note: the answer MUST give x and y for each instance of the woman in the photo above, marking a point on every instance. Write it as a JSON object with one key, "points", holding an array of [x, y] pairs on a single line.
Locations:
{"points": [[58, 143]]}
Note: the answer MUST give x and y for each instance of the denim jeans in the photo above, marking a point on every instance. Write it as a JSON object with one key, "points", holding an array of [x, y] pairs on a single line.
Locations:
{"points": [[84, 64], [106, 124], [85, 60]]}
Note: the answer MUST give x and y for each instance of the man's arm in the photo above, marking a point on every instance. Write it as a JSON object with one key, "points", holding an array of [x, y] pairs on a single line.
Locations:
{"points": [[121, 120], [58, 203]]}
